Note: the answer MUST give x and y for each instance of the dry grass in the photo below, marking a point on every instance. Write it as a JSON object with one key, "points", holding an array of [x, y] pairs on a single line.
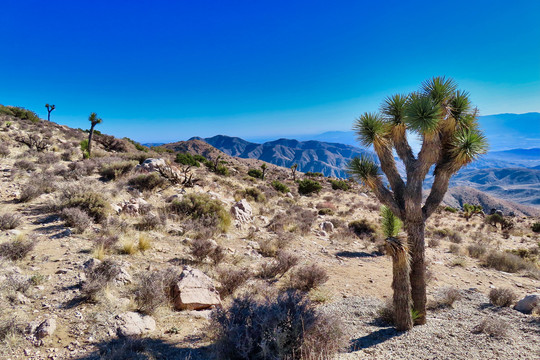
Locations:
{"points": [[493, 327], [17, 249], [308, 277], [502, 297], [10, 221], [145, 243]]}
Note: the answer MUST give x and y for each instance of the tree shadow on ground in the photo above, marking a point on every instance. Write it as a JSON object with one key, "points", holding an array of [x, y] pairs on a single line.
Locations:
{"points": [[374, 338], [144, 349], [357, 254]]}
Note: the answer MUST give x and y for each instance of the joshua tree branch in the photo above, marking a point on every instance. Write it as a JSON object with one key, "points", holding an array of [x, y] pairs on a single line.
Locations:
{"points": [[438, 189]]}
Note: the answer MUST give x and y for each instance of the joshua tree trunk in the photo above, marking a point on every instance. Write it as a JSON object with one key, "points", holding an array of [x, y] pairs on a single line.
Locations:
{"points": [[415, 239], [90, 135], [399, 252]]}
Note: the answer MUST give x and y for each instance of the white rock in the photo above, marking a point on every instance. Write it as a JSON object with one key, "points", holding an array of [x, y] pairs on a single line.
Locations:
{"points": [[132, 323], [195, 291], [242, 212], [528, 303], [327, 226], [46, 328], [151, 164]]}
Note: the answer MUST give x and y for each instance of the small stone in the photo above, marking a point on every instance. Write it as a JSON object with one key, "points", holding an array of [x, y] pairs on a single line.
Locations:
{"points": [[46, 328]]}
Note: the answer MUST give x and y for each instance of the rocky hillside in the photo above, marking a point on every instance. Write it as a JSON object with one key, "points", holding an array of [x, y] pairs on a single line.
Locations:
{"points": [[118, 257]]}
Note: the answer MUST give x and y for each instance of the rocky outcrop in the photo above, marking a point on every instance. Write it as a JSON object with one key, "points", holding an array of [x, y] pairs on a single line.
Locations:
{"points": [[528, 303], [150, 165], [242, 212], [195, 291], [132, 324]]}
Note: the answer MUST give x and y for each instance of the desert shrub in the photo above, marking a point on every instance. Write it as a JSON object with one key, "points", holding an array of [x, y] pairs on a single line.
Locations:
{"points": [[433, 243], [476, 250], [494, 219], [217, 255], [251, 194], [105, 241], [150, 221], [314, 174], [362, 227], [199, 206], [78, 169], [326, 211], [283, 327], [4, 150], [283, 262], [454, 249], [116, 169], [308, 186], [10, 221], [187, 159], [110, 143], [154, 289], [455, 238], [23, 114], [232, 279], [76, 218], [536, 227], [308, 277], [447, 298], [92, 203], [25, 165], [491, 326], [279, 186], [222, 170], [255, 173], [36, 186], [201, 248], [147, 182], [16, 249], [502, 297], [98, 277], [48, 158], [504, 261], [450, 209], [339, 185]]}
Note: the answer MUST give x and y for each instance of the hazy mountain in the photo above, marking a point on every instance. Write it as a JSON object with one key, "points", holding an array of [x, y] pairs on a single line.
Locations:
{"points": [[315, 156]]}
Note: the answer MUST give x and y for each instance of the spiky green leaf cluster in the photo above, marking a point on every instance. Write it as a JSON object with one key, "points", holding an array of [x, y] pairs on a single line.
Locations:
{"points": [[393, 108], [391, 225], [370, 129], [468, 144], [363, 169], [422, 114]]}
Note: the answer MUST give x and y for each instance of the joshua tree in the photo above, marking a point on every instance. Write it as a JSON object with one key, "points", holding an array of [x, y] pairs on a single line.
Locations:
{"points": [[446, 122], [469, 210], [94, 120], [264, 167], [399, 251], [50, 108], [293, 171]]}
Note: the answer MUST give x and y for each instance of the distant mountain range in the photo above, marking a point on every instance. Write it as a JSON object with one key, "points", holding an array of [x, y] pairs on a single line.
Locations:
{"points": [[315, 156]]}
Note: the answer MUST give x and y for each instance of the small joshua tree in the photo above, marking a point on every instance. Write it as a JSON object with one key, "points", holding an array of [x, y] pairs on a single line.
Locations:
{"points": [[470, 210], [264, 167], [399, 251], [50, 108], [293, 171], [447, 124], [94, 120]]}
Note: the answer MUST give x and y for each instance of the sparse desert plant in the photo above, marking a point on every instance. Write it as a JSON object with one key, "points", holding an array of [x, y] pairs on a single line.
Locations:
{"points": [[16, 249], [476, 250], [4, 150], [10, 327], [536, 227], [127, 247], [217, 255], [150, 221], [279, 186], [93, 203], [471, 210], [492, 326], [504, 261], [114, 170], [308, 187], [282, 263], [502, 296], [76, 219], [105, 241], [98, 277], [232, 279], [154, 289], [147, 182], [454, 249], [308, 277], [251, 194], [340, 185], [282, 327], [10, 221], [447, 298], [446, 121], [434, 243], [25, 165], [362, 227], [496, 219], [36, 186], [458, 261], [145, 243], [255, 173], [198, 206], [200, 248], [450, 209]]}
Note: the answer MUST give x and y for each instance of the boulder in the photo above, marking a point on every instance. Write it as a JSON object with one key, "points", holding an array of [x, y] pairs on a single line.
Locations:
{"points": [[327, 226], [46, 328], [195, 291], [150, 165], [528, 303], [242, 212], [132, 324]]}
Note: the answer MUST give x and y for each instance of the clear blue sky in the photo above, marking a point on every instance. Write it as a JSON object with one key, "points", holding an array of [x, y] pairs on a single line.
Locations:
{"points": [[168, 70]]}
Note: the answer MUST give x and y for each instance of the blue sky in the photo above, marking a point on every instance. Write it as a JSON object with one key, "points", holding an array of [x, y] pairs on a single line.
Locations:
{"points": [[168, 70]]}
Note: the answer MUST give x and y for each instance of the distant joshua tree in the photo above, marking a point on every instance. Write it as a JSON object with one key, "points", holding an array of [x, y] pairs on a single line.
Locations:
{"points": [[264, 167], [447, 123], [50, 108], [94, 120], [293, 171], [470, 210]]}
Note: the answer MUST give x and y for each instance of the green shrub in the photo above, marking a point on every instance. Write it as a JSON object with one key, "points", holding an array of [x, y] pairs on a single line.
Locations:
{"points": [[94, 204], [137, 145], [508, 262], [536, 227], [21, 113], [187, 159], [307, 186], [116, 169], [450, 209], [339, 185], [251, 194], [255, 173], [476, 250], [281, 187], [198, 206], [326, 211], [314, 174], [362, 227], [222, 170], [147, 182]]}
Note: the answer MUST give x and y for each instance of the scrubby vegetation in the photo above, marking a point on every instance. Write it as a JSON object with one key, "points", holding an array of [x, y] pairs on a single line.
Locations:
{"points": [[308, 187]]}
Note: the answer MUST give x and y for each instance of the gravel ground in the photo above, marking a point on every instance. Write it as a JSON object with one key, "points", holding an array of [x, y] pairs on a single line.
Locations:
{"points": [[449, 333]]}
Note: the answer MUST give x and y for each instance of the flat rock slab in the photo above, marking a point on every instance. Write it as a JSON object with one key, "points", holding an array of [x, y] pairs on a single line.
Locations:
{"points": [[195, 291], [132, 323]]}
